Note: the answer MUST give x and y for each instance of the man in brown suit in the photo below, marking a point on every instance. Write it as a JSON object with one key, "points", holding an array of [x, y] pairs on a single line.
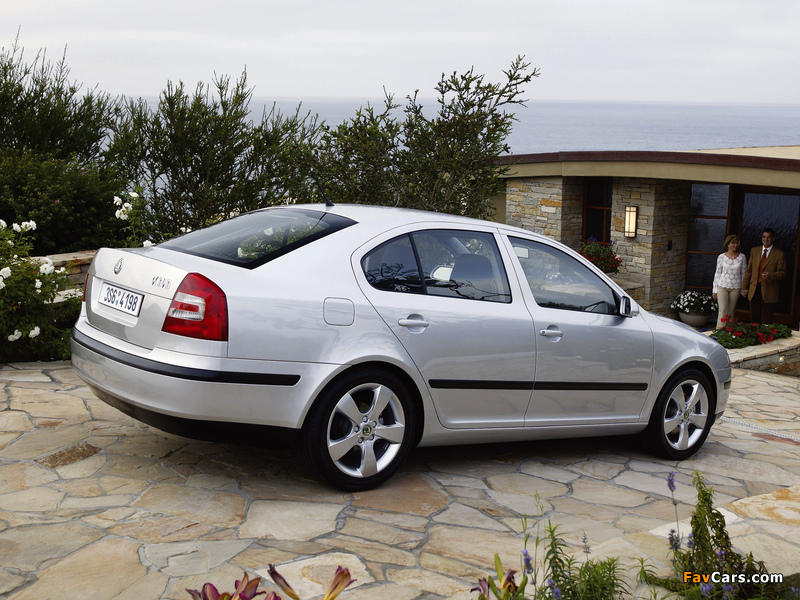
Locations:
{"points": [[761, 282]]}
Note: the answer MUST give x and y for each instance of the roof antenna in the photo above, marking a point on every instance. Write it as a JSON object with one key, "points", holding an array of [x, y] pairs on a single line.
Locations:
{"points": [[328, 202]]}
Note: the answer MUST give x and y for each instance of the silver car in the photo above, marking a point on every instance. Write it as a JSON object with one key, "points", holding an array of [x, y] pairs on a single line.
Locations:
{"points": [[369, 330]]}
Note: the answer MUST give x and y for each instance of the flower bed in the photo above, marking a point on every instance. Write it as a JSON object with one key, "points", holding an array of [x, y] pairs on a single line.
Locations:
{"points": [[735, 334]]}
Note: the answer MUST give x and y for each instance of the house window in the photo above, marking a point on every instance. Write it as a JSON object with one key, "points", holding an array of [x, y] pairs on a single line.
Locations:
{"points": [[597, 210], [708, 225]]}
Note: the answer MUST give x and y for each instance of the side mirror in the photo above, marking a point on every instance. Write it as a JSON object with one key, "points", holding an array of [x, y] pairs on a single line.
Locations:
{"points": [[626, 307]]}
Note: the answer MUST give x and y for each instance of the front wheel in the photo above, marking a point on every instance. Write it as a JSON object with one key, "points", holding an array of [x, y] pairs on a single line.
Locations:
{"points": [[682, 416], [359, 430]]}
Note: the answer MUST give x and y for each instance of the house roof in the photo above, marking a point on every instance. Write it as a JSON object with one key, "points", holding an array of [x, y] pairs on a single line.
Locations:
{"points": [[777, 166]]}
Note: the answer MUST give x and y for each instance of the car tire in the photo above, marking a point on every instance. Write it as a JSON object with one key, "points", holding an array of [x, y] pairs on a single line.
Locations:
{"points": [[359, 430], [682, 416]]}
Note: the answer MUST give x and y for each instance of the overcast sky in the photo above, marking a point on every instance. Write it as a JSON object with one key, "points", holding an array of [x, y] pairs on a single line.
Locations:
{"points": [[740, 51]]}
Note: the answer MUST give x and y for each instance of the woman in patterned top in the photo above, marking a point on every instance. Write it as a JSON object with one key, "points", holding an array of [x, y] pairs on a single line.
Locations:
{"points": [[731, 266]]}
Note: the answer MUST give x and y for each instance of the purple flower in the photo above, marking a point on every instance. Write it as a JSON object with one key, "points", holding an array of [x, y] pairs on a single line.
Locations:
{"points": [[527, 560], [674, 540], [671, 481], [706, 589], [729, 591], [554, 591], [690, 541]]}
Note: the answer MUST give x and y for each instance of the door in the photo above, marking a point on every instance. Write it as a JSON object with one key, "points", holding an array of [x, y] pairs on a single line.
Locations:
{"points": [[779, 212], [445, 295], [592, 366]]}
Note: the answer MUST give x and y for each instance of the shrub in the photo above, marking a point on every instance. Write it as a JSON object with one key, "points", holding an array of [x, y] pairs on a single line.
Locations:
{"points": [[601, 255], [562, 575], [709, 550], [51, 140], [42, 112], [446, 161], [735, 334], [199, 158], [32, 325], [70, 201]]}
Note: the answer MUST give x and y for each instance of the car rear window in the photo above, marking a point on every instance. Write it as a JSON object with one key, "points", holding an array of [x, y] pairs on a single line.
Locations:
{"points": [[256, 238]]}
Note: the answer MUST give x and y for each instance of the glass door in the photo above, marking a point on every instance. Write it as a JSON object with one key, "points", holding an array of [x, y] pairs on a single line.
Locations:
{"points": [[781, 213]]}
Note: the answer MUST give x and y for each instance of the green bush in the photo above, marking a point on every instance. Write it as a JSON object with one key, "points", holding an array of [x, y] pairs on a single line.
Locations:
{"points": [[71, 202], [32, 325], [51, 168], [198, 158], [709, 550], [561, 576], [42, 112], [444, 162]]}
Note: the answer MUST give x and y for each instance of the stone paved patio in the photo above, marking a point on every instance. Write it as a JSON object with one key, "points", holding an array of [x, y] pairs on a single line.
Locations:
{"points": [[96, 505]]}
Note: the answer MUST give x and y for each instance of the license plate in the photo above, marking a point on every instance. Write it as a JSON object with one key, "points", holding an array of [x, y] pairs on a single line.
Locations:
{"points": [[127, 302]]}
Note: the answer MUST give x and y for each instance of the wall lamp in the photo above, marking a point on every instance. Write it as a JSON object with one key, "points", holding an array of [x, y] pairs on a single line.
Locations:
{"points": [[631, 221]]}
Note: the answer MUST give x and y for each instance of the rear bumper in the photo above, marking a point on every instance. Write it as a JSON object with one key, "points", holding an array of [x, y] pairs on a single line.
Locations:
{"points": [[216, 389]]}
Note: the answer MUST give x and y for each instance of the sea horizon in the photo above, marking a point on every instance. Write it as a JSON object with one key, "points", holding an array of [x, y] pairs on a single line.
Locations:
{"points": [[572, 125], [598, 125]]}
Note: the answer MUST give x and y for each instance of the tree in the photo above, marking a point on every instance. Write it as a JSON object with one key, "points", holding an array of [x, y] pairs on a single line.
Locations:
{"points": [[42, 112], [51, 139], [197, 159], [447, 163]]}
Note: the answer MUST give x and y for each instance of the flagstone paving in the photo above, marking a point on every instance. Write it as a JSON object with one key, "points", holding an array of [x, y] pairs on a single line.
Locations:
{"points": [[96, 505]]}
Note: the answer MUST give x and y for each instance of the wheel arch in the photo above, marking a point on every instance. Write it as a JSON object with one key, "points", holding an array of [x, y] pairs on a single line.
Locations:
{"points": [[399, 372], [704, 368]]}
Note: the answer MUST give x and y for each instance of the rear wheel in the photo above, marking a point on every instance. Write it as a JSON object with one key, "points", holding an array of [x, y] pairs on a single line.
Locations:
{"points": [[359, 430], [682, 416]]}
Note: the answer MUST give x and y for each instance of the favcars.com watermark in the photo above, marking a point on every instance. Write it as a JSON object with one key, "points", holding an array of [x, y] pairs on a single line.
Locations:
{"points": [[719, 577]]}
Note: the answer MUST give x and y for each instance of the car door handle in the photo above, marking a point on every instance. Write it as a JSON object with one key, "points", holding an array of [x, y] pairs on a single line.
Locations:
{"points": [[413, 323], [557, 333]]}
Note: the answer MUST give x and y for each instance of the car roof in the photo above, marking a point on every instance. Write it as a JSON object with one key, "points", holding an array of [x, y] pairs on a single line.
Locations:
{"points": [[387, 217]]}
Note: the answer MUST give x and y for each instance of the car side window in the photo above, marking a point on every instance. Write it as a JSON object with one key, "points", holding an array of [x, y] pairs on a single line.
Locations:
{"points": [[455, 264], [559, 281], [392, 267], [462, 264]]}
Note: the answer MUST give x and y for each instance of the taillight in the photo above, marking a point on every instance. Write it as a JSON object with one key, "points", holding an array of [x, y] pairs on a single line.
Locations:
{"points": [[198, 309]]}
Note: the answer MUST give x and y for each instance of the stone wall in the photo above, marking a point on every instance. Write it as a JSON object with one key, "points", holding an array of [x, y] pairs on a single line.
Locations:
{"points": [[552, 206], [656, 257], [77, 265], [653, 262]]}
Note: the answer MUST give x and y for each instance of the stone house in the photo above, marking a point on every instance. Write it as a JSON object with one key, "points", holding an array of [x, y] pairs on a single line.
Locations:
{"points": [[679, 206]]}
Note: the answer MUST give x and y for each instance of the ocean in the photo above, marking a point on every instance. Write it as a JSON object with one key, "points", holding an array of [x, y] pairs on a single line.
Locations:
{"points": [[553, 126]]}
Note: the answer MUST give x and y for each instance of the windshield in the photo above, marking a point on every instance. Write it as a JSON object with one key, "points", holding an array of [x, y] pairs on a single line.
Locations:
{"points": [[256, 238]]}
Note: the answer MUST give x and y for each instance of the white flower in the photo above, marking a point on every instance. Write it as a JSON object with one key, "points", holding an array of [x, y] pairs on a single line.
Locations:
{"points": [[38, 284], [2, 284], [16, 227], [15, 336], [121, 214], [185, 229], [147, 243], [2, 224], [10, 243], [133, 194], [117, 200], [46, 269], [28, 225], [34, 332], [5, 273]]}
